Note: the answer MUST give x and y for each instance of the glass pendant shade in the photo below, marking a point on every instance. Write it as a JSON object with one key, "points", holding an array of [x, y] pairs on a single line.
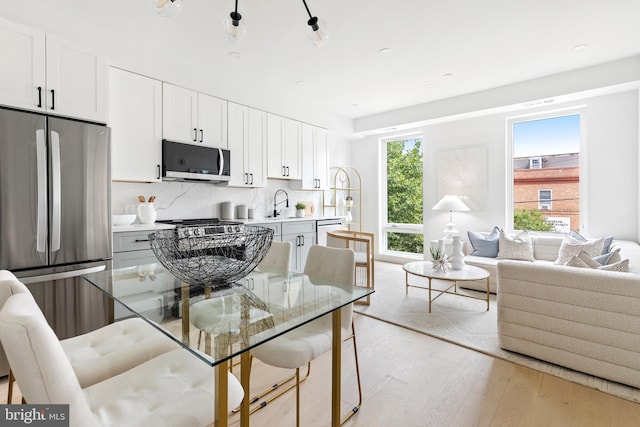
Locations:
{"points": [[167, 8], [235, 27], [318, 32]]}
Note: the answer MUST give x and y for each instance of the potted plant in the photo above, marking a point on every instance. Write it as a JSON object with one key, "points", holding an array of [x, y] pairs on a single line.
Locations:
{"points": [[300, 207]]}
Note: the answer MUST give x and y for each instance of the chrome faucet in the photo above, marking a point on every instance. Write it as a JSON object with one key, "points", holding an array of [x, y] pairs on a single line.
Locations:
{"points": [[276, 203]]}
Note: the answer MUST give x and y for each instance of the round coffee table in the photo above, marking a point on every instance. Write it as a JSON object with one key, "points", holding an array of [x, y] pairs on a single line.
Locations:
{"points": [[425, 269]]}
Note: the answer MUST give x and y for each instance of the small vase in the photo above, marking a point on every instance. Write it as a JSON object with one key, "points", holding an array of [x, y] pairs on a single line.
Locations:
{"points": [[457, 257], [300, 213], [147, 213]]}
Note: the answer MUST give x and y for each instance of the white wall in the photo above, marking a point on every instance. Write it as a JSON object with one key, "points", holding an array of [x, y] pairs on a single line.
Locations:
{"points": [[611, 178]]}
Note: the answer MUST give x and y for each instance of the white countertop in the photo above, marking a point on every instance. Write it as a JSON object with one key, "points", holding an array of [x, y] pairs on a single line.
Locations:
{"points": [[161, 226], [141, 227]]}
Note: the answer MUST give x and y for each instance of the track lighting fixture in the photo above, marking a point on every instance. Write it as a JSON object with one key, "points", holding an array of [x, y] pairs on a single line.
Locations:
{"points": [[236, 28]]}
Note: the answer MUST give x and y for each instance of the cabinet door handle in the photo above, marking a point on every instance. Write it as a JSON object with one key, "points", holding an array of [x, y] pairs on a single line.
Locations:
{"points": [[158, 167], [141, 240], [302, 239], [246, 178], [39, 96], [284, 171], [201, 135], [53, 99], [251, 175], [287, 168], [195, 135]]}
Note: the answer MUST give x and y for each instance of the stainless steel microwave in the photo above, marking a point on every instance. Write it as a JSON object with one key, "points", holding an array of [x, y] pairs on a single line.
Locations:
{"points": [[187, 162]]}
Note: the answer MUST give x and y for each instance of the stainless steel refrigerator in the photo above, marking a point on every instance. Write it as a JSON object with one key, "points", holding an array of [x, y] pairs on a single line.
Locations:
{"points": [[55, 214]]}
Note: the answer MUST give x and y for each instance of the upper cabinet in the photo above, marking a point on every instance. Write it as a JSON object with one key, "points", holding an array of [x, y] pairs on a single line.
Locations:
{"points": [[283, 147], [247, 134], [315, 158], [45, 73], [135, 118], [193, 118]]}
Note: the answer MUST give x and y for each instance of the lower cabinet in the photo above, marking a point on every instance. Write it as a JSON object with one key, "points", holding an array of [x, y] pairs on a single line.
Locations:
{"points": [[131, 249], [302, 236]]}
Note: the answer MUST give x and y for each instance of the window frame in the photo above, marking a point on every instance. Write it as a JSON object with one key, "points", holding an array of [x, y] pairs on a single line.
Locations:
{"points": [[548, 201], [580, 110], [384, 226]]}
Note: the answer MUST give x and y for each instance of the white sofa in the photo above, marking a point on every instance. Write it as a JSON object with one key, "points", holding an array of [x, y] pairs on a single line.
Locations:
{"points": [[584, 319], [545, 249]]}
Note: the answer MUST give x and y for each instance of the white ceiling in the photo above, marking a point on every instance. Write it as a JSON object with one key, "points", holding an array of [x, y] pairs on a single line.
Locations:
{"points": [[482, 44]]}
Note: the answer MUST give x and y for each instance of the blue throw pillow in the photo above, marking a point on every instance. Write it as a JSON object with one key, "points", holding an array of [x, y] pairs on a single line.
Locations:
{"points": [[606, 241], [485, 246]]}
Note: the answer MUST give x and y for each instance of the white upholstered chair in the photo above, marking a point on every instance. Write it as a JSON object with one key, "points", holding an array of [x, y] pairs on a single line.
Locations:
{"points": [[172, 389], [103, 353], [208, 312], [304, 344]]}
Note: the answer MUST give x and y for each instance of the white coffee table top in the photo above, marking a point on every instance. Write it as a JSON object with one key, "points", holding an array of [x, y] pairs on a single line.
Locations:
{"points": [[425, 269]]}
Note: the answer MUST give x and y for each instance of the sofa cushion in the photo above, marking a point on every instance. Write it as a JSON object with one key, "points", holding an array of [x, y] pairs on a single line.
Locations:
{"points": [[485, 245], [606, 241], [584, 260], [518, 247], [571, 247]]}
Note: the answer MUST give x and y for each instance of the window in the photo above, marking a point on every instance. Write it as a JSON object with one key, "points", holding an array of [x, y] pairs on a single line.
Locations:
{"points": [[545, 177], [401, 228], [544, 200]]}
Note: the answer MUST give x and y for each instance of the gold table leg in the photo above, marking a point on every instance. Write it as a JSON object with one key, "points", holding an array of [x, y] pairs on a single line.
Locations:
{"points": [[487, 294], [336, 356], [221, 390], [429, 294], [184, 303], [245, 372]]}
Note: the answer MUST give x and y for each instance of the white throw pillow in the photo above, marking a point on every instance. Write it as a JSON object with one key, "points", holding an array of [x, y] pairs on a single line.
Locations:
{"points": [[571, 247], [517, 247], [579, 261]]}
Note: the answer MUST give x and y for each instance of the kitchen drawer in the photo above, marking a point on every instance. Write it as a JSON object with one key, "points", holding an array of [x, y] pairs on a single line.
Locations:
{"points": [[133, 258], [275, 226], [298, 227], [131, 241]]}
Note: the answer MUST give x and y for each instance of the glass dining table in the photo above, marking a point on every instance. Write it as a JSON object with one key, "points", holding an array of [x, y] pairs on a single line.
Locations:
{"points": [[232, 319]]}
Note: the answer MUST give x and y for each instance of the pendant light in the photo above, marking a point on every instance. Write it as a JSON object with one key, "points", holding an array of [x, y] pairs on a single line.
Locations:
{"points": [[167, 8], [234, 27], [318, 30]]}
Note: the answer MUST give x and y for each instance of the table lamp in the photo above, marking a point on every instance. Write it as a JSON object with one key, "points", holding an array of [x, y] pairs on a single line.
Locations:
{"points": [[450, 203]]}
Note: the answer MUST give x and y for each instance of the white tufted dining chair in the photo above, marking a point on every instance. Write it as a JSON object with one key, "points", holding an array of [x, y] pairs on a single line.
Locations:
{"points": [[304, 344], [174, 389], [100, 354]]}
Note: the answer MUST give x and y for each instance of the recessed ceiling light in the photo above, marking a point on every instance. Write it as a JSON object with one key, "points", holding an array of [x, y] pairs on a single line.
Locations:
{"points": [[385, 51], [234, 55], [355, 105], [429, 85], [300, 82], [447, 75], [580, 46]]}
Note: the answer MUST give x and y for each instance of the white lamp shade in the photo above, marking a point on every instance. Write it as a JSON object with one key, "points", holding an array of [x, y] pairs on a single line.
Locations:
{"points": [[236, 33], [450, 203]]}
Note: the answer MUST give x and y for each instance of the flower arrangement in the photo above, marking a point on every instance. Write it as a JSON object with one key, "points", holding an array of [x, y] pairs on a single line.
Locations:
{"points": [[440, 260]]}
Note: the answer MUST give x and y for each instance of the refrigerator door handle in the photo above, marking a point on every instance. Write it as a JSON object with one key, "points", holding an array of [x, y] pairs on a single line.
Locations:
{"points": [[41, 161], [56, 191], [63, 275]]}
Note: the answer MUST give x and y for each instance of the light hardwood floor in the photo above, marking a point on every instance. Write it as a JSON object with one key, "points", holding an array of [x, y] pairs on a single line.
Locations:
{"points": [[410, 379]]}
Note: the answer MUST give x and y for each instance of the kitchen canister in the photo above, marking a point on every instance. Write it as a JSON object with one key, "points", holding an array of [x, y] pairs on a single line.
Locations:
{"points": [[226, 210], [242, 212]]}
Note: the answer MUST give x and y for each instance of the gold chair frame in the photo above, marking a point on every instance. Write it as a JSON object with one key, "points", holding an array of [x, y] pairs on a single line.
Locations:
{"points": [[363, 245]]}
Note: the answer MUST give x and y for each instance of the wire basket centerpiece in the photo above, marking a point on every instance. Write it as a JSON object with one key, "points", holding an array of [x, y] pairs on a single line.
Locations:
{"points": [[215, 260]]}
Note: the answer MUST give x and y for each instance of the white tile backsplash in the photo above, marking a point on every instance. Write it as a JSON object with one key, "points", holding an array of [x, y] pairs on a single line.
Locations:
{"points": [[177, 200]]}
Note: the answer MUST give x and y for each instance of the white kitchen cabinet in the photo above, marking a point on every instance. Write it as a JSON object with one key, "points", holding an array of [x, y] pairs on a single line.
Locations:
{"points": [[135, 118], [46, 73], [283, 147], [302, 235], [247, 133], [315, 158], [193, 118]]}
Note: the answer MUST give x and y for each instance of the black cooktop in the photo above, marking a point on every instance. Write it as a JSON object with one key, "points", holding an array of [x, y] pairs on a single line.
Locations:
{"points": [[197, 221]]}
